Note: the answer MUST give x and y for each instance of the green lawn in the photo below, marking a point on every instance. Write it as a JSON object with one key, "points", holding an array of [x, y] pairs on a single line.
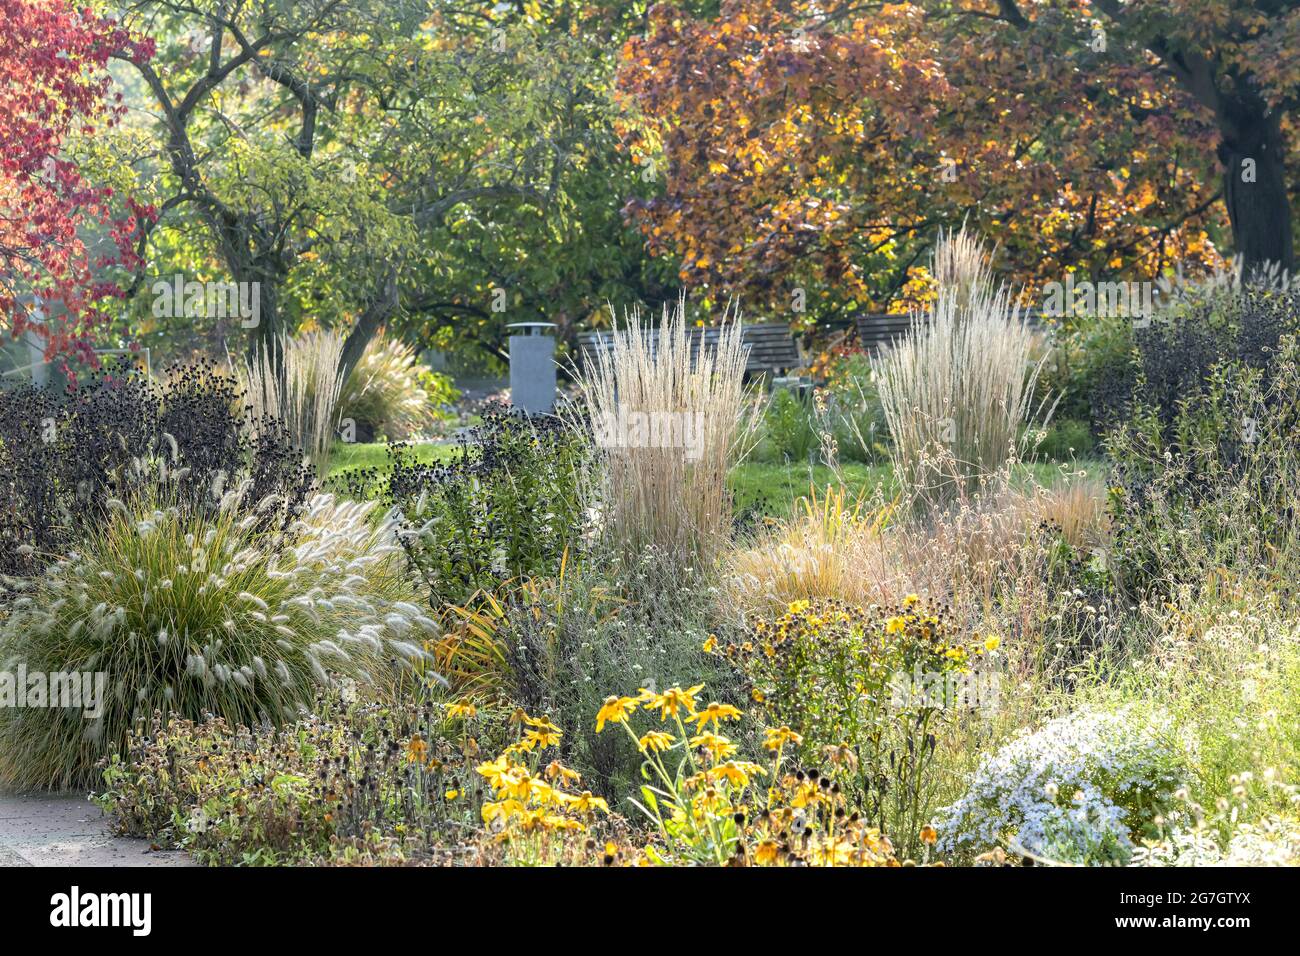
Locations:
{"points": [[375, 455], [771, 487], [775, 487]]}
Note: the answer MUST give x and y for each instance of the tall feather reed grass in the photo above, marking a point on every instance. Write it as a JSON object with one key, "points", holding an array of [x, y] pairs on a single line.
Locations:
{"points": [[302, 392], [665, 487], [958, 388], [190, 612]]}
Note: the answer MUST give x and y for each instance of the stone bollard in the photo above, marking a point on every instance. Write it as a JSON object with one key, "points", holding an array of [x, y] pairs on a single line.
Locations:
{"points": [[532, 367]]}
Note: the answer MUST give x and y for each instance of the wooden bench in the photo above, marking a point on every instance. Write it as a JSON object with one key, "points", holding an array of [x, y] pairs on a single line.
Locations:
{"points": [[770, 348], [879, 330]]}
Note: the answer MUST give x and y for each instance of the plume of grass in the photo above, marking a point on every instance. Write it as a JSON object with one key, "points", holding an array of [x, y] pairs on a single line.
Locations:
{"points": [[663, 496], [957, 389], [835, 548], [303, 392], [193, 612], [385, 390], [873, 551], [961, 266]]}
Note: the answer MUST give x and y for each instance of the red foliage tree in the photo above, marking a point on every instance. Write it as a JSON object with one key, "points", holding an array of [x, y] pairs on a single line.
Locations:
{"points": [[817, 147], [53, 83]]}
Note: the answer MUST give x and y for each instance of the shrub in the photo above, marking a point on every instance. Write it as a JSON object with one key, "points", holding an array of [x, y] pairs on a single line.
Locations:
{"points": [[1209, 489], [509, 504], [64, 456], [1205, 329], [955, 391], [552, 645], [1074, 791], [788, 425], [388, 393], [661, 492], [190, 612], [1091, 370], [876, 687]]}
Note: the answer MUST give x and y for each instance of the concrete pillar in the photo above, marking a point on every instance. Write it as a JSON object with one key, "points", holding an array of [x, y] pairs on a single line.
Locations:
{"points": [[532, 366]]}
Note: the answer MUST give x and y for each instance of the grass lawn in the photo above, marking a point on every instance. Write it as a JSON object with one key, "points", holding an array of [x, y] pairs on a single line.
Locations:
{"points": [[375, 455], [773, 487]]}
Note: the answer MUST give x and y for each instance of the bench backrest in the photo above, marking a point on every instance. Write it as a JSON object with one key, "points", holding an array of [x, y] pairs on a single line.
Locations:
{"points": [[879, 330], [770, 348]]}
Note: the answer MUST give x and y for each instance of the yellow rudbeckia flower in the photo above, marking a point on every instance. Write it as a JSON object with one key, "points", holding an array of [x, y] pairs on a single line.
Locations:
{"points": [[715, 713], [671, 702], [777, 737], [615, 710], [720, 748], [655, 741]]}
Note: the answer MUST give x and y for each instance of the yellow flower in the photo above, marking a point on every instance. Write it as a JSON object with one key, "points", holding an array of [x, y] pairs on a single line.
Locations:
{"points": [[541, 723], [494, 771], [895, 625], [991, 642], [911, 600], [615, 710], [542, 738], [503, 809], [586, 803], [778, 737], [735, 772], [719, 747], [461, 709], [711, 644], [829, 851], [543, 793], [671, 702], [452, 794], [655, 741], [557, 771], [929, 835], [797, 607], [766, 852], [416, 750], [715, 713]]}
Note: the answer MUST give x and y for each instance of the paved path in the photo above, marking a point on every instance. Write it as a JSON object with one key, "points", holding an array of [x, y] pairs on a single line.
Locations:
{"points": [[68, 830]]}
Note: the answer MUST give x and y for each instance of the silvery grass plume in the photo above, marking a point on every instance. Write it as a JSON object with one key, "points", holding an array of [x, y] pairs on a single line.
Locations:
{"points": [[384, 389], [669, 496], [958, 388], [194, 612], [301, 391]]}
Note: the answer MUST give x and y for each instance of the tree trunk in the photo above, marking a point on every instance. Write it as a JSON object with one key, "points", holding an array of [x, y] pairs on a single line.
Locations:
{"points": [[376, 314], [1254, 187]]}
